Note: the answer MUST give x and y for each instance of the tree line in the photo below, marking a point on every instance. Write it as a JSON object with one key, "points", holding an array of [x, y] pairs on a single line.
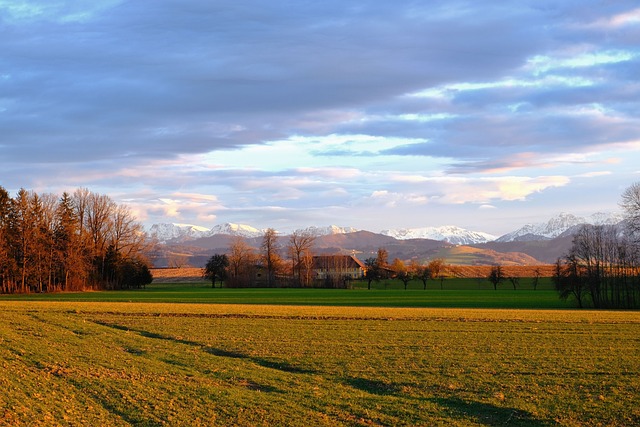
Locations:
{"points": [[602, 268], [271, 265], [76, 241], [294, 263]]}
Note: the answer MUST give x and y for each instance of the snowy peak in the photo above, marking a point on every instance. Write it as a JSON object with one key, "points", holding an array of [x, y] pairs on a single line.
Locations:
{"points": [[604, 218], [236, 230], [447, 233], [558, 225], [177, 232], [554, 227], [330, 230]]}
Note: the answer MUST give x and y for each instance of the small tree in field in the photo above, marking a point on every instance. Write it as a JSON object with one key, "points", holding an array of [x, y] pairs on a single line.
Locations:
{"points": [[568, 281], [515, 281], [216, 268], [496, 276], [536, 277], [436, 267], [402, 272], [421, 272], [373, 272], [425, 274]]}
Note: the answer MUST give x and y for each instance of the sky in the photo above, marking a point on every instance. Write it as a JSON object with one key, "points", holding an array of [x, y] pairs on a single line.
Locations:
{"points": [[369, 114]]}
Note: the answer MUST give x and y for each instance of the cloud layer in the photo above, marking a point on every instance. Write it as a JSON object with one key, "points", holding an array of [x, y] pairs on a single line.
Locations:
{"points": [[285, 114]]}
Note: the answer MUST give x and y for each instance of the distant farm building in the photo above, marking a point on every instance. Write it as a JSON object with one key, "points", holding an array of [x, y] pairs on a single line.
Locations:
{"points": [[337, 267]]}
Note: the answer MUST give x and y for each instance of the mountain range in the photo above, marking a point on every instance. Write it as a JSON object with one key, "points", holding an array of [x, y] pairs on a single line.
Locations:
{"points": [[554, 227], [530, 244]]}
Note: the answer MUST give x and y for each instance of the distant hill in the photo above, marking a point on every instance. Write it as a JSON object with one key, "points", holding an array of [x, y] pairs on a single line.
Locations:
{"points": [[363, 244], [473, 255], [546, 251], [531, 244]]}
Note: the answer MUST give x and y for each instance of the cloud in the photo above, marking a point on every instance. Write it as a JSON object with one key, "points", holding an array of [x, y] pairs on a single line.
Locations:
{"points": [[201, 110], [160, 70], [624, 19]]}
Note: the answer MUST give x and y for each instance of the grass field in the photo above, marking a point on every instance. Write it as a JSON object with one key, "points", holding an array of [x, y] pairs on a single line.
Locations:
{"points": [[455, 293], [150, 364]]}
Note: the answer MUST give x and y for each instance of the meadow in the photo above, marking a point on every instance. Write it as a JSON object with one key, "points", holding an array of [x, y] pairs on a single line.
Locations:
{"points": [[152, 363], [472, 293]]}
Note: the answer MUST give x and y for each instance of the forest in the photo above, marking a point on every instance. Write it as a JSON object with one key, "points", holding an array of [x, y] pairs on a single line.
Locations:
{"points": [[79, 241]]}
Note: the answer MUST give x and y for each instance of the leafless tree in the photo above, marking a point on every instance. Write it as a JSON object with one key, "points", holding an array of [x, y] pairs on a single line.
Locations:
{"points": [[496, 276], [99, 222], [603, 265], [270, 256], [242, 259], [126, 236], [176, 260], [631, 205], [537, 273], [300, 247]]}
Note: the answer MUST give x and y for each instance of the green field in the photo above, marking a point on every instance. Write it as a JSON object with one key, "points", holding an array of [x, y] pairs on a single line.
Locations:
{"points": [[167, 364], [456, 293], [73, 363]]}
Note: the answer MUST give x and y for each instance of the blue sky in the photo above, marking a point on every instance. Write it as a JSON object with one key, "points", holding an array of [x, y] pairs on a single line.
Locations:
{"points": [[285, 114]]}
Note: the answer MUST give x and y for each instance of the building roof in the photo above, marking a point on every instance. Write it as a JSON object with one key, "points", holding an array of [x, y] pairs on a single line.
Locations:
{"points": [[337, 261]]}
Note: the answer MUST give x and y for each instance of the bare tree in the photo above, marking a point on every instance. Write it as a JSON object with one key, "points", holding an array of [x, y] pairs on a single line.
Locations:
{"points": [[496, 276], [99, 222], [631, 205], [607, 264], [300, 247], [270, 257], [127, 236], [424, 273], [536, 277], [177, 260], [241, 258]]}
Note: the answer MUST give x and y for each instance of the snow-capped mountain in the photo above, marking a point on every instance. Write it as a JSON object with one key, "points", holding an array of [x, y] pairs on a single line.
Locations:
{"points": [[558, 225], [330, 230], [236, 230], [178, 233], [447, 233]]}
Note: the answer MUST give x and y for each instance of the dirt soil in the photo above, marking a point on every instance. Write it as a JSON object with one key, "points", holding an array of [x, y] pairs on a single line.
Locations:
{"points": [[177, 275], [194, 274]]}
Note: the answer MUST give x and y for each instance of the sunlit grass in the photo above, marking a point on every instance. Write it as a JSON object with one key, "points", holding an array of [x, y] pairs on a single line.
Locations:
{"points": [[109, 363]]}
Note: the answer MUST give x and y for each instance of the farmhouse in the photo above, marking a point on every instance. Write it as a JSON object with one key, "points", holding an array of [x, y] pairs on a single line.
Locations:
{"points": [[337, 267]]}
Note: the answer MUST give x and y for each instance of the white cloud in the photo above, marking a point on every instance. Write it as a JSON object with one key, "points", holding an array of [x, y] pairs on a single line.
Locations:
{"points": [[320, 108], [629, 18]]}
